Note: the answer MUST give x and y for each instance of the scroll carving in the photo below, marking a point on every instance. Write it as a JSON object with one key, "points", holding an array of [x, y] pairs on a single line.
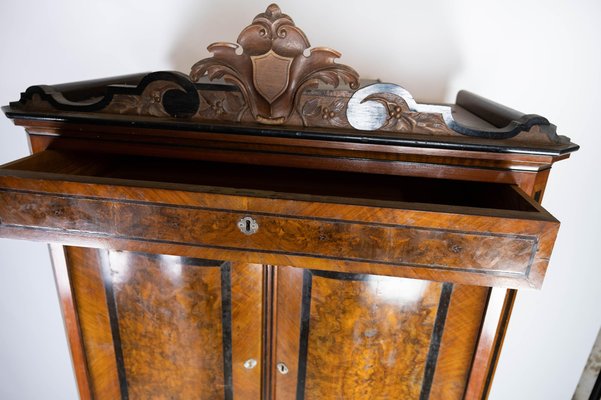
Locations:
{"points": [[388, 107], [273, 77], [273, 70]]}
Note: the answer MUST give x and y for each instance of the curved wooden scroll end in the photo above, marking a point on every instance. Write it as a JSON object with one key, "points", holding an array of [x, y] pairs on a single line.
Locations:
{"points": [[390, 107], [272, 70]]}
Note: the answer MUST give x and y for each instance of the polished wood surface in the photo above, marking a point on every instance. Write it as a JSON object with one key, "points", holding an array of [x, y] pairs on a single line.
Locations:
{"points": [[272, 72], [363, 329], [507, 244], [368, 337], [469, 344], [88, 287], [163, 327], [247, 330], [169, 313], [388, 236], [287, 323], [72, 319], [466, 311]]}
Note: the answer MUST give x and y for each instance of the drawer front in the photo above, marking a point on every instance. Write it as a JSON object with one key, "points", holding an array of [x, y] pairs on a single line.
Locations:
{"points": [[406, 243]]}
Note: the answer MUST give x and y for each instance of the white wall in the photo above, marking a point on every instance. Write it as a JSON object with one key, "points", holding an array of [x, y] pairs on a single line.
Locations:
{"points": [[539, 57]]}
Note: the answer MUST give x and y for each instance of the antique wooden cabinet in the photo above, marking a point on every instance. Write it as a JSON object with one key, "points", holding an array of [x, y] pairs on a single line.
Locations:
{"points": [[272, 227]]}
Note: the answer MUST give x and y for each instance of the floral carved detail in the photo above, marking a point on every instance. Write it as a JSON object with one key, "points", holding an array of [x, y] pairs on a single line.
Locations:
{"points": [[272, 71], [325, 112], [150, 102], [401, 118], [221, 106], [388, 107]]}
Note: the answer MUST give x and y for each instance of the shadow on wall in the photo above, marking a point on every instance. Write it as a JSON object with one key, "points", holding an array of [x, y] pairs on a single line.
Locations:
{"points": [[407, 43]]}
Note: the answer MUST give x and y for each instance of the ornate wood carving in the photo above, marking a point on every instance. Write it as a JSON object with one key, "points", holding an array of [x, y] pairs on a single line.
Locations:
{"points": [[273, 70], [272, 77]]}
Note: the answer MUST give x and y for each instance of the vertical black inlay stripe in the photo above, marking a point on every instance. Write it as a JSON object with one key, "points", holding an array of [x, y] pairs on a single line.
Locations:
{"points": [[437, 330], [304, 334], [111, 303], [226, 326], [268, 317]]}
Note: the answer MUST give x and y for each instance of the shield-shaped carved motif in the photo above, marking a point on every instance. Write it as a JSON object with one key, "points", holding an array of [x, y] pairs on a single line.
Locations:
{"points": [[271, 74]]}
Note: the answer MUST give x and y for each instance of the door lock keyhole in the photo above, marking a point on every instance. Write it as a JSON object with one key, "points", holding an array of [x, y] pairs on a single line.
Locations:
{"points": [[282, 368], [248, 225]]}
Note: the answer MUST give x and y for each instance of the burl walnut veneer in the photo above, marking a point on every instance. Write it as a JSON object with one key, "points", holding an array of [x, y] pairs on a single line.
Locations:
{"points": [[272, 227]]}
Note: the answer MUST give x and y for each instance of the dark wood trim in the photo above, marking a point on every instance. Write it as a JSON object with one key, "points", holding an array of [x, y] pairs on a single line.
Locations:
{"points": [[269, 323], [113, 312], [312, 134], [266, 317], [226, 326], [437, 331], [304, 334]]}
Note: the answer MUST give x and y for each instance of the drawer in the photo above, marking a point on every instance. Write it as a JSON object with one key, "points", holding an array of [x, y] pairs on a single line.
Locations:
{"points": [[464, 232]]}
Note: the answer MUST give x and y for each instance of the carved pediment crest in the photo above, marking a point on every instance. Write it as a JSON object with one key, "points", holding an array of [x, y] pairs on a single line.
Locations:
{"points": [[273, 68]]}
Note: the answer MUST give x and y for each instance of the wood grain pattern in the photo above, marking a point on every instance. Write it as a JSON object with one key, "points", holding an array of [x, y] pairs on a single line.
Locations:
{"points": [[153, 325], [458, 344], [288, 321], [428, 248], [169, 315], [379, 231], [85, 269], [369, 338], [247, 330], [492, 324], [332, 229], [72, 320], [499, 305], [184, 142]]}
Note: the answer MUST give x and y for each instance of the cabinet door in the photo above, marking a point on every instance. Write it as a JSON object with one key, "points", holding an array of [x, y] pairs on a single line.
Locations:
{"points": [[359, 336], [165, 327]]}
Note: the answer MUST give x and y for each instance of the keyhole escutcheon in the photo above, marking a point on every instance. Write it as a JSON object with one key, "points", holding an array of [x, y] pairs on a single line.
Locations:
{"points": [[282, 368], [248, 225]]}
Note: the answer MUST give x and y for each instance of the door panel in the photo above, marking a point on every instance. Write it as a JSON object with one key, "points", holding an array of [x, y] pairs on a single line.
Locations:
{"points": [[160, 327], [360, 336]]}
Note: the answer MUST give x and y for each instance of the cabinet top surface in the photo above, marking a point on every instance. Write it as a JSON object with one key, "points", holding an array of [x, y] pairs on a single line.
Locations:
{"points": [[271, 83]]}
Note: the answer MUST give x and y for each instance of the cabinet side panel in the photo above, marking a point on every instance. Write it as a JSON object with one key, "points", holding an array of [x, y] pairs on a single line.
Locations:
{"points": [[92, 310], [462, 327], [168, 311]]}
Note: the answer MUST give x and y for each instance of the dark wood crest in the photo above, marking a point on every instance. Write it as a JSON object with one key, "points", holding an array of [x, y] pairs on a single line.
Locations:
{"points": [[273, 70], [271, 76]]}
